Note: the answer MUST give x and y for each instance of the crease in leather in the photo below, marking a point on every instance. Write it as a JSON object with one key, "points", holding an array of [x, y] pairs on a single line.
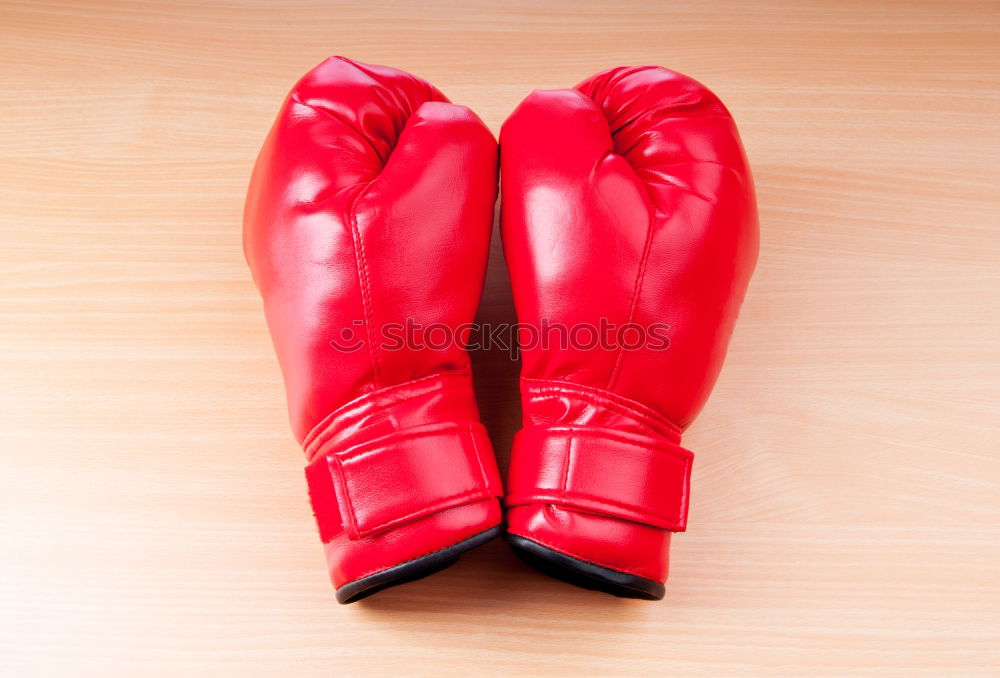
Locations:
{"points": [[294, 96], [537, 388], [381, 90], [382, 398]]}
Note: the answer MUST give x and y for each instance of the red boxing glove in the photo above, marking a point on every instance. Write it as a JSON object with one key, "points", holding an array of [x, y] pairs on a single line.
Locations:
{"points": [[629, 217], [371, 206]]}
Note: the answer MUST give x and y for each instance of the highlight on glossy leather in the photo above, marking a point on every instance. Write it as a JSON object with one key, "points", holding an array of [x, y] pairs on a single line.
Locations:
{"points": [[626, 199], [371, 203]]}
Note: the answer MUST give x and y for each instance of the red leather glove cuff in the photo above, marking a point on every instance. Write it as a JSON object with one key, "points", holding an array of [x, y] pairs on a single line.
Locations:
{"points": [[393, 480], [621, 475], [362, 485]]}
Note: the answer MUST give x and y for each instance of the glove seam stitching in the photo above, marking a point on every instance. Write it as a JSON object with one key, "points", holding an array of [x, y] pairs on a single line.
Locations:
{"points": [[362, 265], [616, 371]]}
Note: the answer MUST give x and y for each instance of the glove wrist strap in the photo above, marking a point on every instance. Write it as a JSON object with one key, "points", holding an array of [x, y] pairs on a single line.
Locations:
{"points": [[621, 475], [377, 464]]}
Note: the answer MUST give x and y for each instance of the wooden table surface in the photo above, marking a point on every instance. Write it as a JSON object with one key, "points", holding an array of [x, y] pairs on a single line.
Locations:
{"points": [[846, 508]]}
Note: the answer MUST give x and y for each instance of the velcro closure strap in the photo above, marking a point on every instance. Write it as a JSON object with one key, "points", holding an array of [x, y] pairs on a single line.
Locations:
{"points": [[620, 475], [401, 477]]}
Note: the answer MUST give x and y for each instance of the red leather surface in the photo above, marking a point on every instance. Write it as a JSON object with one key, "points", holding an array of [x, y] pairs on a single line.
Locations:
{"points": [[569, 467], [411, 464], [371, 203], [628, 199]]}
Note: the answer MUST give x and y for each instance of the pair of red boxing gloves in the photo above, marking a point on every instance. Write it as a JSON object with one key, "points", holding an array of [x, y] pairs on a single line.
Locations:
{"points": [[626, 203]]}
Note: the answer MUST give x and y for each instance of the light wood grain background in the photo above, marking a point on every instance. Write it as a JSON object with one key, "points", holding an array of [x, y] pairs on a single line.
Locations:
{"points": [[846, 507]]}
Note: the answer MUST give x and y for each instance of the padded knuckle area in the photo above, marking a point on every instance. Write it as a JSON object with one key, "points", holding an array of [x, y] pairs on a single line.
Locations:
{"points": [[372, 102], [645, 88]]}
